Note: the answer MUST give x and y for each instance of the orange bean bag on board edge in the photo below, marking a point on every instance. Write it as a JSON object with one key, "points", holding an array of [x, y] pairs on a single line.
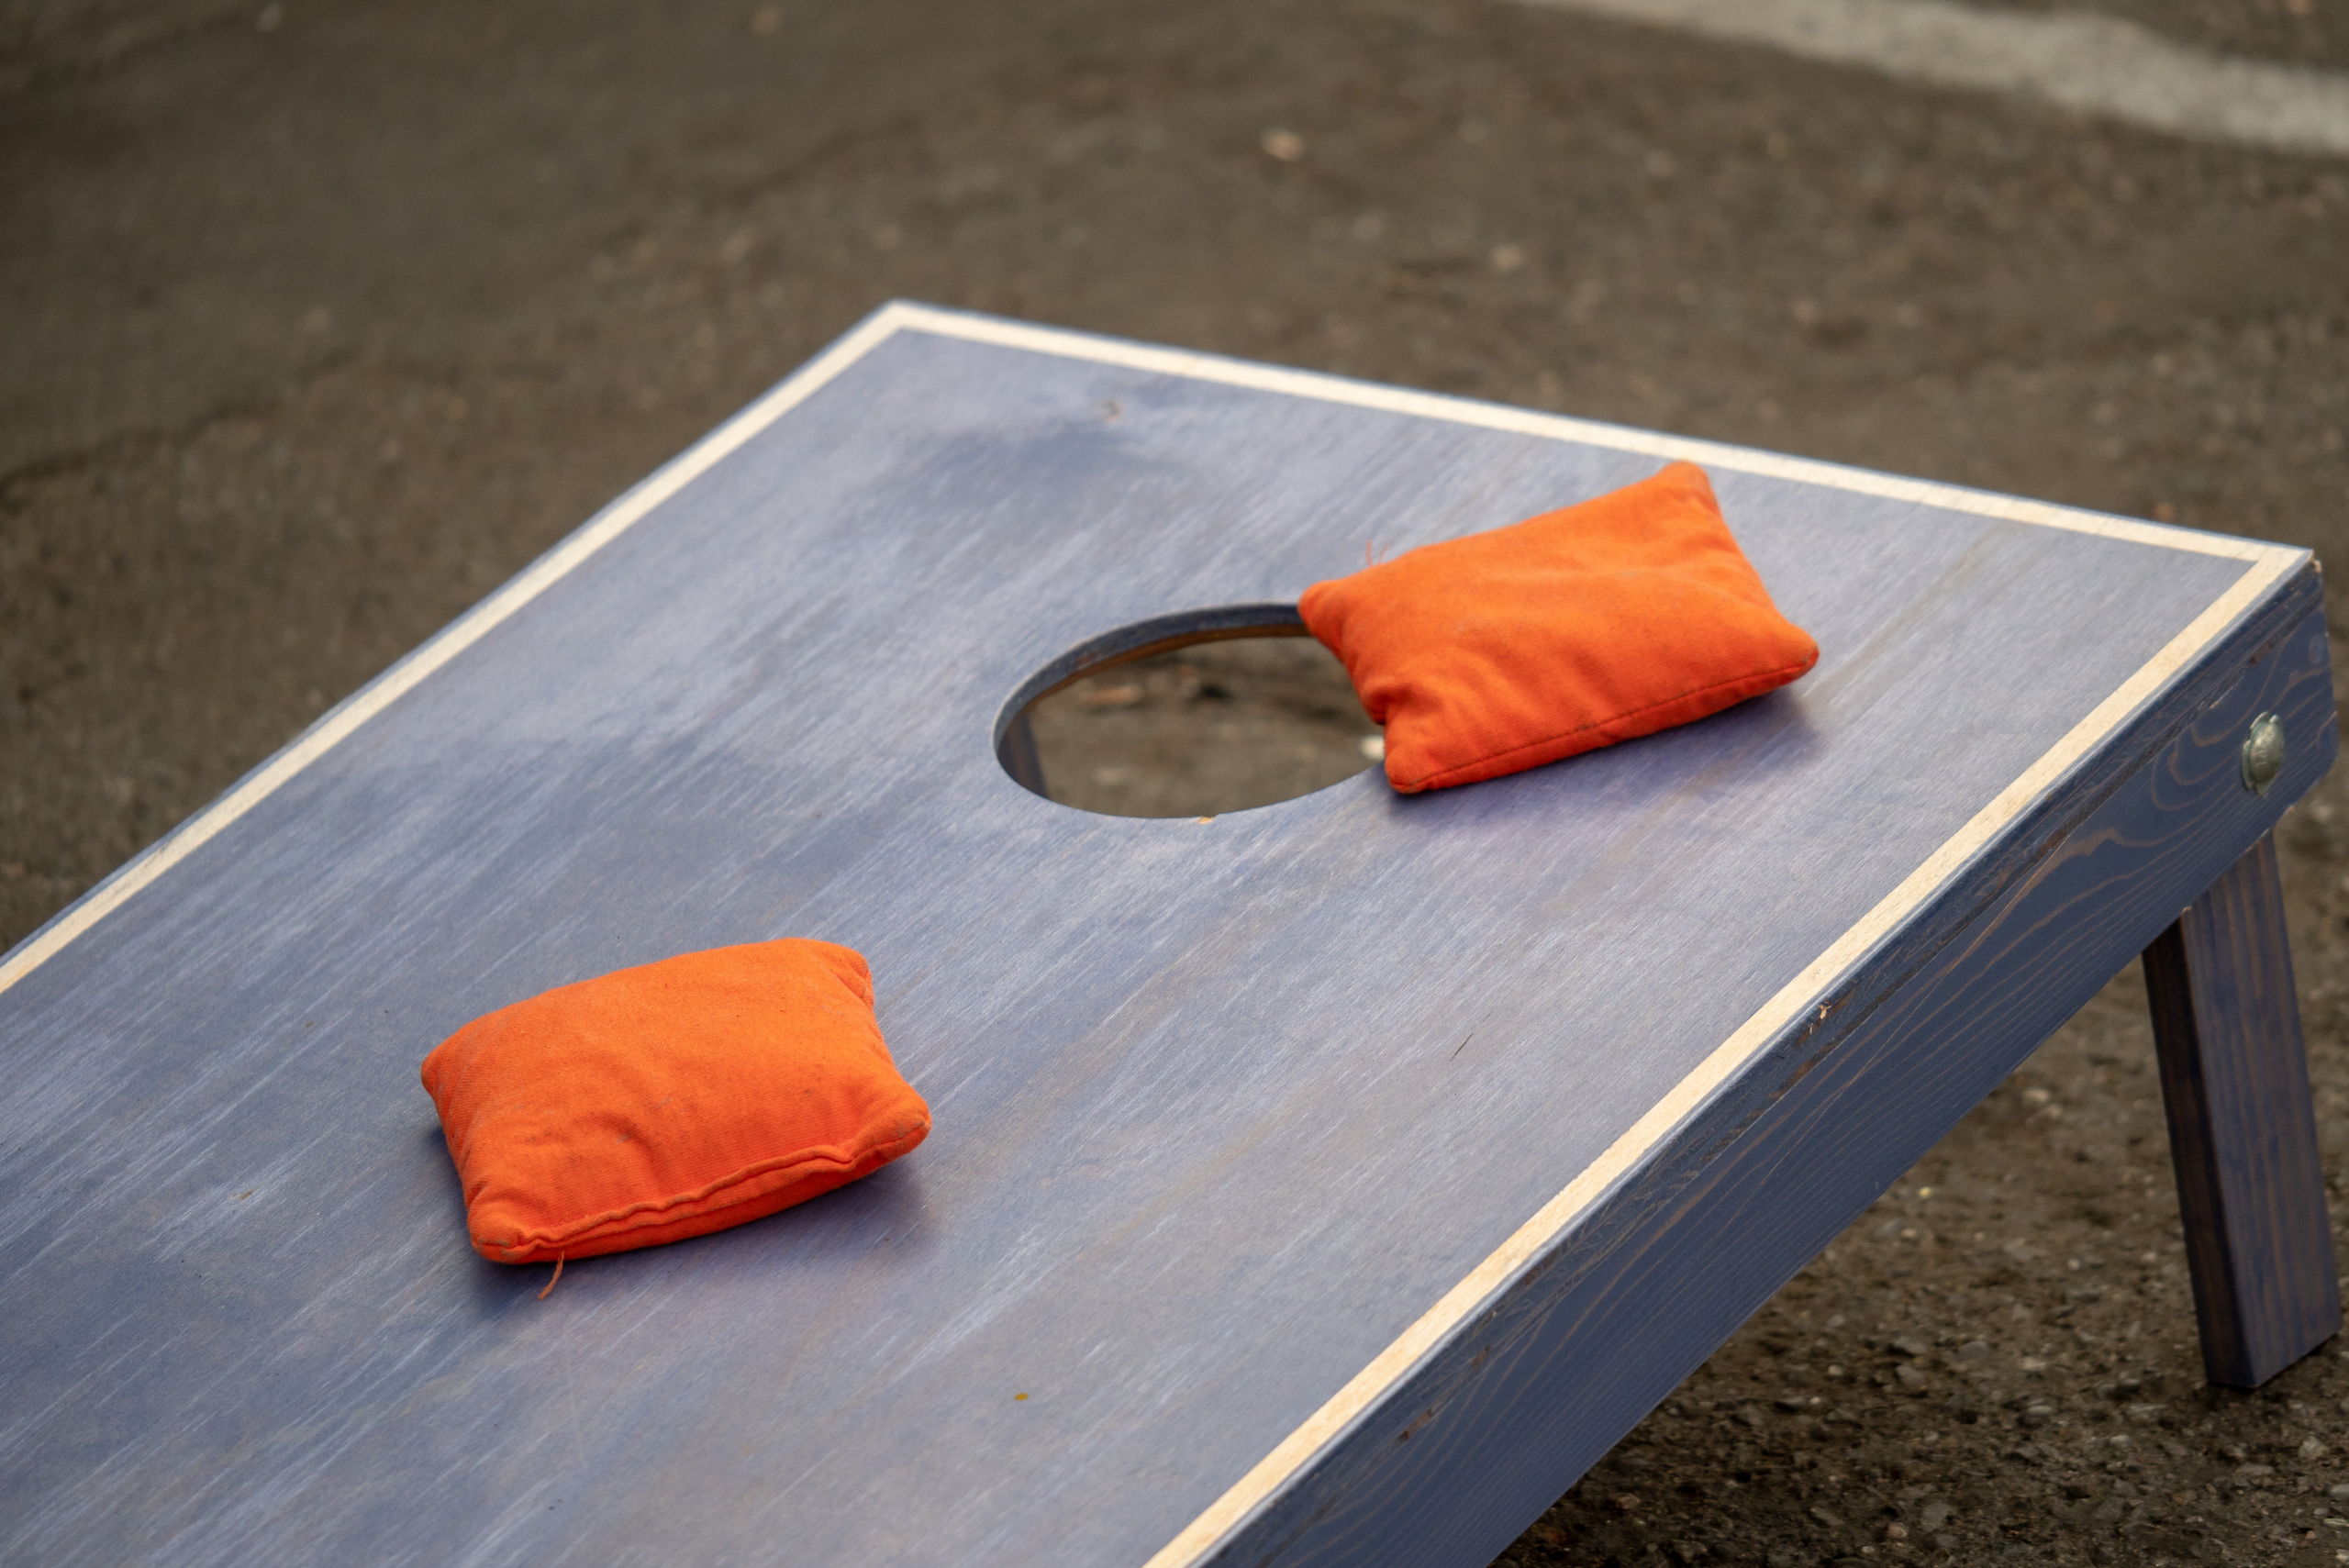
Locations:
{"points": [[671, 1100], [1505, 650]]}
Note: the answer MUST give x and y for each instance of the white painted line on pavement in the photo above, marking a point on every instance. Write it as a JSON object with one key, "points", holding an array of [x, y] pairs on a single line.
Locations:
{"points": [[2097, 65]]}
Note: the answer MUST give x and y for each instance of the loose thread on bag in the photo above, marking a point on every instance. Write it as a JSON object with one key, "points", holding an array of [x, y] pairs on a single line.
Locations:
{"points": [[558, 1275]]}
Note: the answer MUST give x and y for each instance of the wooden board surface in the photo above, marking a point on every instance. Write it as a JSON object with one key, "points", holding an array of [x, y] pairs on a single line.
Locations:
{"points": [[1240, 1125]]}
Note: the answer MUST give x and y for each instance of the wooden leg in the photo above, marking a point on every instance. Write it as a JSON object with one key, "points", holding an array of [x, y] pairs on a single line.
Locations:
{"points": [[2243, 1126]]}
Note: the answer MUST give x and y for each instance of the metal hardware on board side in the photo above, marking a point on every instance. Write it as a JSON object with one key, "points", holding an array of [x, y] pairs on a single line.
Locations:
{"points": [[2263, 754]]}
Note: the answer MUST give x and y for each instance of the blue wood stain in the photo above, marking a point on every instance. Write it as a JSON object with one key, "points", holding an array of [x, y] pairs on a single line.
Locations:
{"points": [[1203, 1144]]}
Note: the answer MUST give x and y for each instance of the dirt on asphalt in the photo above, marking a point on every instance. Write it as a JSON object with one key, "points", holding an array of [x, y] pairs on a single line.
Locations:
{"points": [[1214, 727], [318, 320]]}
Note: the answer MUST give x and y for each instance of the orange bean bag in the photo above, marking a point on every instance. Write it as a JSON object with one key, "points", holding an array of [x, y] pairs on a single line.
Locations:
{"points": [[1618, 617], [670, 1100]]}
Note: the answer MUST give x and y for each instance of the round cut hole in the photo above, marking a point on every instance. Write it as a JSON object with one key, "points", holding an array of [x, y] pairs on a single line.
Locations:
{"points": [[1189, 716]]}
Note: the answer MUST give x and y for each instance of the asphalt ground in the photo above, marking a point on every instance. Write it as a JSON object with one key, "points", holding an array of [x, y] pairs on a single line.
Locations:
{"points": [[317, 321]]}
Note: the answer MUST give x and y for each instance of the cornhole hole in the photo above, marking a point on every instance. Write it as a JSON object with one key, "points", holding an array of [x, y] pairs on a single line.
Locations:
{"points": [[1328, 1182]]}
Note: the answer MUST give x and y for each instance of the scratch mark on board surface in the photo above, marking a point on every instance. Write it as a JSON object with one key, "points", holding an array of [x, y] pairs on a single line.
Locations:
{"points": [[1462, 1045]]}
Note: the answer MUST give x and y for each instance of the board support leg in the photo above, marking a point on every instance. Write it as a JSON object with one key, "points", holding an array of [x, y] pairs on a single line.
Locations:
{"points": [[2242, 1126]]}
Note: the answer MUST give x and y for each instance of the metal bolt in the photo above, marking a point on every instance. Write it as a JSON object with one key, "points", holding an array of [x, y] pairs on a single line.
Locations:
{"points": [[2263, 754]]}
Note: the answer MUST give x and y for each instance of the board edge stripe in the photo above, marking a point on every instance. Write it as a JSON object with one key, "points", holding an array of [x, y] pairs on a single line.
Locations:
{"points": [[1070, 344], [337, 725], [1231, 1511]]}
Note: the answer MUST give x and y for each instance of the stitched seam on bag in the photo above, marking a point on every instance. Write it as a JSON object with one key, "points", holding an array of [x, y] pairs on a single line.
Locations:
{"points": [[1424, 780], [654, 1209]]}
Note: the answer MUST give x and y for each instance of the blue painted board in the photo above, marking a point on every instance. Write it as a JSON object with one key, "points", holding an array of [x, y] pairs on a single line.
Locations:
{"points": [[1241, 1126], [1579, 1349]]}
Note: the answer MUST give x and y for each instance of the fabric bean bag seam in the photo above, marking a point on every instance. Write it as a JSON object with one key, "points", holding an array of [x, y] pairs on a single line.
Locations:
{"points": [[1800, 667], [655, 1211]]}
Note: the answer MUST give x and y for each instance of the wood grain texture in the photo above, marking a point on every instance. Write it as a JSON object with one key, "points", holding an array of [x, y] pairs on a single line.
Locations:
{"points": [[1222, 1109], [2242, 1126], [1486, 1435]]}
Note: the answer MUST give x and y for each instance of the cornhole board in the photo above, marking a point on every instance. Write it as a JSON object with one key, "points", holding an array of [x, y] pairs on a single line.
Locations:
{"points": [[1333, 1181]]}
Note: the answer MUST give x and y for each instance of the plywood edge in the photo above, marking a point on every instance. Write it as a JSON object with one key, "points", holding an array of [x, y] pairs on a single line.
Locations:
{"points": [[339, 722], [1065, 343], [2253, 598], [347, 717], [1548, 1375]]}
